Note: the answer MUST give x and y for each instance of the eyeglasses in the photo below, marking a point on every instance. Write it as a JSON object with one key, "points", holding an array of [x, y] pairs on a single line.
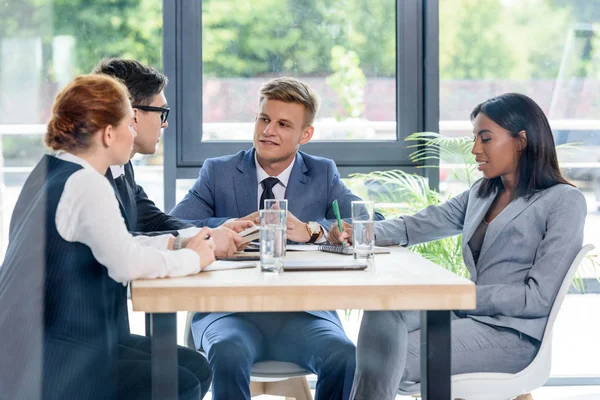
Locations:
{"points": [[164, 112]]}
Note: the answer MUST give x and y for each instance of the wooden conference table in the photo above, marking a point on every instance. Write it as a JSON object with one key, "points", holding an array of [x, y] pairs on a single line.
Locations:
{"points": [[401, 280]]}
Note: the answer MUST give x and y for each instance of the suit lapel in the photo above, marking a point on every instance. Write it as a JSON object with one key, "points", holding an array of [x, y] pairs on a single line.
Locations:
{"points": [[246, 185], [475, 216], [110, 178], [511, 212], [297, 185], [126, 186]]}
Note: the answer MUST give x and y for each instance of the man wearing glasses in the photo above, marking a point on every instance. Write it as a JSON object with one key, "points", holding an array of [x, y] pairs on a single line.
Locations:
{"points": [[146, 87]]}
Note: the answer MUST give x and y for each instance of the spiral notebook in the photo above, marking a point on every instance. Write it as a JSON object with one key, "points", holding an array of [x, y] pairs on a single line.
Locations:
{"points": [[347, 250]]}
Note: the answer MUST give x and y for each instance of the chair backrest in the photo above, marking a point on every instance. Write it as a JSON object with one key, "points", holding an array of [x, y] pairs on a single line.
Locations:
{"points": [[564, 288], [486, 385], [188, 339], [541, 364]]}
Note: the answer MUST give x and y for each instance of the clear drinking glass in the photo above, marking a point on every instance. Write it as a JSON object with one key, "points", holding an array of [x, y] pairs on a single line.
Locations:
{"points": [[281, 204], [273, 226], [363, 238]]}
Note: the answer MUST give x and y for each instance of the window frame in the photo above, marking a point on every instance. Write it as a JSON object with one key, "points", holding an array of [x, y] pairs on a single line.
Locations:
{"points": [[417, 100]]}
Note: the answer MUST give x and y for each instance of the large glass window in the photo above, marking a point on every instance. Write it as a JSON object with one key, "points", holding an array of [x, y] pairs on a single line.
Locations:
{"points": [[550, 51], [365, 59], [345, 49]]}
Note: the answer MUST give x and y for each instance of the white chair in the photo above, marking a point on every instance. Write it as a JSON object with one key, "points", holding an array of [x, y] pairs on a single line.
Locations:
{"points": [[275, 378], [502, 386]]}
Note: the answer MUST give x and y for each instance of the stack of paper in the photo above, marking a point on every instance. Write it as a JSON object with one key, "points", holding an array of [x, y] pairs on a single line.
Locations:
{"points": [[221, 265]]}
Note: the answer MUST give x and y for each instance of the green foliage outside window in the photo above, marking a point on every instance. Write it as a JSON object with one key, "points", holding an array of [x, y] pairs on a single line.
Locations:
{"points": [[479, 39]]}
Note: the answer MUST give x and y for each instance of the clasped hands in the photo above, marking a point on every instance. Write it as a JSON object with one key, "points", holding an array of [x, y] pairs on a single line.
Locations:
{"points": [[296, 229]]}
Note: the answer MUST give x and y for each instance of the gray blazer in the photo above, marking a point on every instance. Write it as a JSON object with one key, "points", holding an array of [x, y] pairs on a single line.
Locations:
{"points": [[527, 250]]}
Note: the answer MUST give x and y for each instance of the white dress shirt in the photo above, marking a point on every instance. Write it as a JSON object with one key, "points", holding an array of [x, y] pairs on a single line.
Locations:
{"points": [[88, 212], [280, 187], [117, 171]]}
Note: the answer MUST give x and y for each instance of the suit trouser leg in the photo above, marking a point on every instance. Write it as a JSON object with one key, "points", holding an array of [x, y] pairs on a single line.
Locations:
{"points": [[134, 371], [232, 345], [389, 344], [187, 359], [319, 346], [477, 347]]}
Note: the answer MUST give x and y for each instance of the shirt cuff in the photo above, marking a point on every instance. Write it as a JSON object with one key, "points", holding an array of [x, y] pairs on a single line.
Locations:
{"points": [[182, 262], [323, 238], [188, 232], [160, 242]]}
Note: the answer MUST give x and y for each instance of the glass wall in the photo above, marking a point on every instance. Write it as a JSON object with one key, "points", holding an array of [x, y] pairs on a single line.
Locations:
{"points": [[350, 51], [43, 45]]}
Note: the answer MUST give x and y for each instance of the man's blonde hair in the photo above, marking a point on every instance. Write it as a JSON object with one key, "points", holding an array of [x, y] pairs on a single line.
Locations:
{"points": [[291, 90]]}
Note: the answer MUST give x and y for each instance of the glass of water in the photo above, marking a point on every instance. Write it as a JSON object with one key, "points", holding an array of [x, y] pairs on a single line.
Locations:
{"points": [[279, 204], [273, 226], [363, 237]]}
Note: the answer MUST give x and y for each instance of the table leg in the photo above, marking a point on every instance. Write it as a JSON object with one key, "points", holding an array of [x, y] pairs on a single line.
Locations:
{"points": [[163, 328], [435, 355]]}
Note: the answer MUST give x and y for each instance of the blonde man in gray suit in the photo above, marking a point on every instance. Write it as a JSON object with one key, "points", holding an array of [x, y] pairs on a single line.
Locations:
{"points": [[522, 226]]}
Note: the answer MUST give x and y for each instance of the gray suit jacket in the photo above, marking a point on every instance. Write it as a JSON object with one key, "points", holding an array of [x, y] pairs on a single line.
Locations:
{"points": [[527, 250]]}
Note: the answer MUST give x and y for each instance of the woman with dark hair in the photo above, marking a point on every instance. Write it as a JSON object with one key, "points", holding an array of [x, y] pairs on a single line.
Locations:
{"points": [[69, 253], [522, 226]]}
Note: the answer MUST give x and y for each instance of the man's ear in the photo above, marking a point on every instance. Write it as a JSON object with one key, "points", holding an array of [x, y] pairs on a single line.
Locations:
{"points": [[522, 140], [108, 136], [307, 134], [136, 119]]}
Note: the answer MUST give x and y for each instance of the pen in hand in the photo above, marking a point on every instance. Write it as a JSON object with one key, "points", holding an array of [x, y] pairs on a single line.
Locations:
{"points": [[336, 211]]}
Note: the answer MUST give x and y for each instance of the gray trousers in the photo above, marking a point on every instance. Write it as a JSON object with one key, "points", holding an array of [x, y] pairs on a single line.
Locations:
{"points": [[389, 344]]}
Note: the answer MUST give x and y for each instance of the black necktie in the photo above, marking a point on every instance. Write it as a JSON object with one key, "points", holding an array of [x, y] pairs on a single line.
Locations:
{"points": [[267, 185]]}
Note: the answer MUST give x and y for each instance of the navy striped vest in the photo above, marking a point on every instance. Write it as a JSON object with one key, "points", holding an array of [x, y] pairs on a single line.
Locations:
{"points": [[58, 306]]}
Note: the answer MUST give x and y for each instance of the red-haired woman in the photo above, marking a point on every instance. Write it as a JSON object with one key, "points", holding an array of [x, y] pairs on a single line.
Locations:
{"points": [[69, 250]]}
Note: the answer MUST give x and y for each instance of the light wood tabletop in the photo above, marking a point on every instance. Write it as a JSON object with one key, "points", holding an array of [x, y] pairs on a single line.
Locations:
{"points": [[401, 280]]}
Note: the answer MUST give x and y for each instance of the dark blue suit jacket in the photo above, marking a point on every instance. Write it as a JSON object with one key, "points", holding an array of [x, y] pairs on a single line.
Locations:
{"points": [[142, 217], [228, 188]]}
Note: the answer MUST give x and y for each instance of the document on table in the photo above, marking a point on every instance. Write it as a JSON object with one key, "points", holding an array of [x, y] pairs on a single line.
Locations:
{"points": [[220, 265]]}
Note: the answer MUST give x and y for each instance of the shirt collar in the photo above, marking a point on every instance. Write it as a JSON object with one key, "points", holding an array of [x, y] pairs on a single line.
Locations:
{"points": [[66, 156], [283, 177], [117, 171]]}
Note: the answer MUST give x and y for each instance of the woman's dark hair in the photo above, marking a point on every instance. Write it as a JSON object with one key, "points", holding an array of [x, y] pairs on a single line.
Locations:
{"points": [[538, 163], [143, 82]]}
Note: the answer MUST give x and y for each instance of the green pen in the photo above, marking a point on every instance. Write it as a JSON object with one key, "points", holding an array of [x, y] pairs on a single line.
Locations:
{"points": [[336, 211]]}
